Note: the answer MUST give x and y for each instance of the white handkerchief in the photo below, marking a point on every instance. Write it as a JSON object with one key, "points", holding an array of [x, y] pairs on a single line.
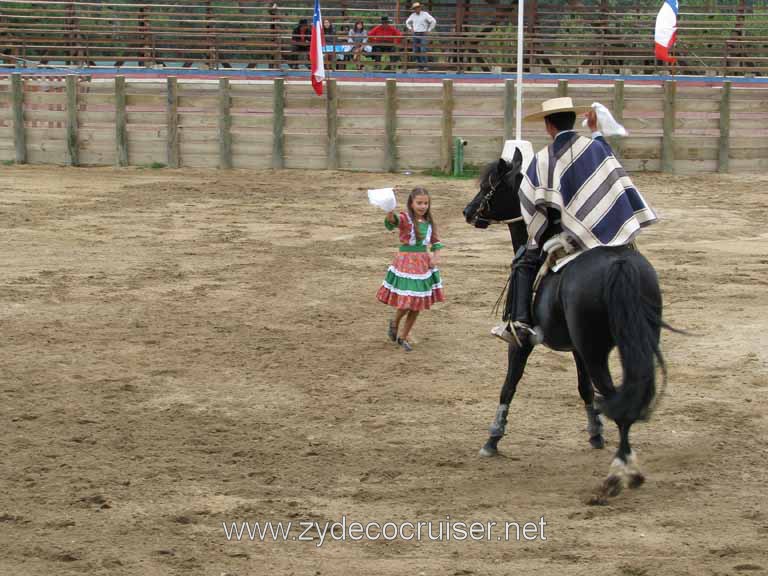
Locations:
{"points": [[606, 122], [384, 198]]}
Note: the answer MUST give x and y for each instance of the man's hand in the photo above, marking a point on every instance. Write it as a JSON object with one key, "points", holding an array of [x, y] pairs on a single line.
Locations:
{"points": [[592, 120]]}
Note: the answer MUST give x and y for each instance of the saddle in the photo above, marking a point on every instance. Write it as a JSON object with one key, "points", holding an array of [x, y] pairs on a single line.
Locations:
{"points": [[560, 251]]}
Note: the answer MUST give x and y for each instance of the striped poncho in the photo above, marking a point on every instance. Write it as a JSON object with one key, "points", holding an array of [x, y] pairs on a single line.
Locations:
{"points": [[580, 177]]}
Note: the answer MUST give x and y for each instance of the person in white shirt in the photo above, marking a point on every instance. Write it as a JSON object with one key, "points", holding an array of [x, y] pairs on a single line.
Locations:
{"points": [[420, 23]]}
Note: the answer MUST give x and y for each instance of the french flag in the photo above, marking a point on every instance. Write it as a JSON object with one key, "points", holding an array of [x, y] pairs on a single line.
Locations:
{"points": [[316, 51], [666, 30]]}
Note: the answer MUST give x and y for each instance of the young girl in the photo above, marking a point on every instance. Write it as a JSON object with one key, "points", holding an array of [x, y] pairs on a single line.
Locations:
{"points": [[412, 283], [358, 36], [329, 32]]}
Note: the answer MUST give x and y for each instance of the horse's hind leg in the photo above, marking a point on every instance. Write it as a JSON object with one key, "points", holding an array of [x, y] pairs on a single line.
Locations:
{"points": [[633, 475], [624, 470], [517, 359], [587, 393]]}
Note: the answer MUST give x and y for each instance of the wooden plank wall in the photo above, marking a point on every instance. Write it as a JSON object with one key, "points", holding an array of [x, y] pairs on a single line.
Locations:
{"points": [[363, 126], [252, 124], [748, 132], [7, 147], [419, 126], [44, 109]]}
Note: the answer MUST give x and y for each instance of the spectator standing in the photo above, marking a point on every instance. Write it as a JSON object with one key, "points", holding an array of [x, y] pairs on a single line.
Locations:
{"points": [[383, 39], [421, 23]]}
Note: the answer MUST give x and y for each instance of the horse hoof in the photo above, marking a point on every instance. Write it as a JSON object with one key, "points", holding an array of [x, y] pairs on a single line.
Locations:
{"points": [[612, 486], [488, 451], [597, 500], [597, 442], [635, 480]]}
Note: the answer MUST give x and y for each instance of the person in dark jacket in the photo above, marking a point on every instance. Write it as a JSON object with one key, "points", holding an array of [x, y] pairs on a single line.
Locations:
{"points": [[300, 39], [329, 32]]}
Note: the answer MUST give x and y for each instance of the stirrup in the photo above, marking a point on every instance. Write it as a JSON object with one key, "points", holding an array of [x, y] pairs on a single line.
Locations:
{"points": [[515, 333], [504, 332], [521, 330]]}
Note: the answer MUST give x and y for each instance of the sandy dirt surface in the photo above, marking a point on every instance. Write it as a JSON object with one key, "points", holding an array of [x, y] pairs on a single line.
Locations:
{"points": [[187, 348]]}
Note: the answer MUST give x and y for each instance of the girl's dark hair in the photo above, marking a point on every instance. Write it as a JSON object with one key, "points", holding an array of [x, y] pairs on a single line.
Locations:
{"points": [[362, 25], [419, 191]]}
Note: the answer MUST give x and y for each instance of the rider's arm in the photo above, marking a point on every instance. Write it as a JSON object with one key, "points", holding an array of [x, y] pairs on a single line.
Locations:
{"points": [[596, 134]]}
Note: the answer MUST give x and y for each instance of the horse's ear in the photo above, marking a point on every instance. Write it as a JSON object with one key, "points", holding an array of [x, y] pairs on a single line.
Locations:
{"points": [[517, 159]]}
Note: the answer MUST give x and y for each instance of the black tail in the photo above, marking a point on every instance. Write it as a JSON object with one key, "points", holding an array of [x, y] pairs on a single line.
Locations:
{"points": [[635, 324]]}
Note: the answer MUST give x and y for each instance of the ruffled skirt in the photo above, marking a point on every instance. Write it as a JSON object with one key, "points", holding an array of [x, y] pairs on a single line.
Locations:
{"points": [[411, 283]]}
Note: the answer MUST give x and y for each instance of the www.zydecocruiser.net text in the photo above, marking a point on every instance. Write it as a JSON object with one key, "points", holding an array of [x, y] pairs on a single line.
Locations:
{"points": [[346, 530]]}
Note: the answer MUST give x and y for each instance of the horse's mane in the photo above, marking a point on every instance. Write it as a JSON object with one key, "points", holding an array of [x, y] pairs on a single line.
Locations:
{"points": [[490, 167]]}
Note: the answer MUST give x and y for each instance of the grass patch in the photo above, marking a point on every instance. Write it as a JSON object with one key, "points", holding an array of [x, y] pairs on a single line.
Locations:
{"points": [[471, 171], [153, 166], [9, 162]]}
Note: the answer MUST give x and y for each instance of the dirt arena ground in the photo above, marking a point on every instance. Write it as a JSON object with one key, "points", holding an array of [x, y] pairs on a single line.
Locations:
{"points": [[183, 349]]}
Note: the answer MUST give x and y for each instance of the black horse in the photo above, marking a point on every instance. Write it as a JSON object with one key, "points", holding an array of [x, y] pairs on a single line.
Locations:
{"points": [[606, 297]]}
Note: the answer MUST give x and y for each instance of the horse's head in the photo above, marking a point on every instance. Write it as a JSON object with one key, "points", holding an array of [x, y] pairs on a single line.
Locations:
{"points": [[498, 196]]}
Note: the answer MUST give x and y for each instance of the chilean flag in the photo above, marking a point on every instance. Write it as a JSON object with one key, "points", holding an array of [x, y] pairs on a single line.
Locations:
{"points": [[316, 51], [666, 30]]}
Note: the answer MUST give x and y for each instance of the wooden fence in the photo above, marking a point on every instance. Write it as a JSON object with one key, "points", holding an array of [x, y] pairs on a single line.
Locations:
{"points": [[391, 126]]}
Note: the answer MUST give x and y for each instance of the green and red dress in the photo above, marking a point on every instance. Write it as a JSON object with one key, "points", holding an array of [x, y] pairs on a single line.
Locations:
{"points": [[411, 283]]}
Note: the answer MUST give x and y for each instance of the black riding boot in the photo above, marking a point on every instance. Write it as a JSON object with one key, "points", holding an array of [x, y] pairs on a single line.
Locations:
{"points": [[523, 277], [518, 309]]}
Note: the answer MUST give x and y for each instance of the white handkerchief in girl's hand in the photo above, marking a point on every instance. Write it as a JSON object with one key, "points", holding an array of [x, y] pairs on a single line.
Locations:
{"points": [[606, 123], [384, 198]]}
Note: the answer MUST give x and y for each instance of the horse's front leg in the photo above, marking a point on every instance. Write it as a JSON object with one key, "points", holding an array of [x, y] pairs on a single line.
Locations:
{"points": [[517, 359], [587, 393]]}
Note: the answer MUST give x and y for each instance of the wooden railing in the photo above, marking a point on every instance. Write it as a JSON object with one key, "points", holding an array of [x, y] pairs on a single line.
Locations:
{"points": [[392, 125], [469, 38]]}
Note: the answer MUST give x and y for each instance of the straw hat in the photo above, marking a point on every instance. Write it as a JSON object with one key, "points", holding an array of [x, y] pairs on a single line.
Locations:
{"points": [[415, 5], [555, 105]]}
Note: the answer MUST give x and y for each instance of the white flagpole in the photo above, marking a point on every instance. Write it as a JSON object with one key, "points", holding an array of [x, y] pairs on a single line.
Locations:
{"points": [[519, 98], [525, 147]]}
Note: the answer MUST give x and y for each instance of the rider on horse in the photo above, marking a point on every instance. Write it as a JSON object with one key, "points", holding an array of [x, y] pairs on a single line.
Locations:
{"points": [[574, 187]]}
